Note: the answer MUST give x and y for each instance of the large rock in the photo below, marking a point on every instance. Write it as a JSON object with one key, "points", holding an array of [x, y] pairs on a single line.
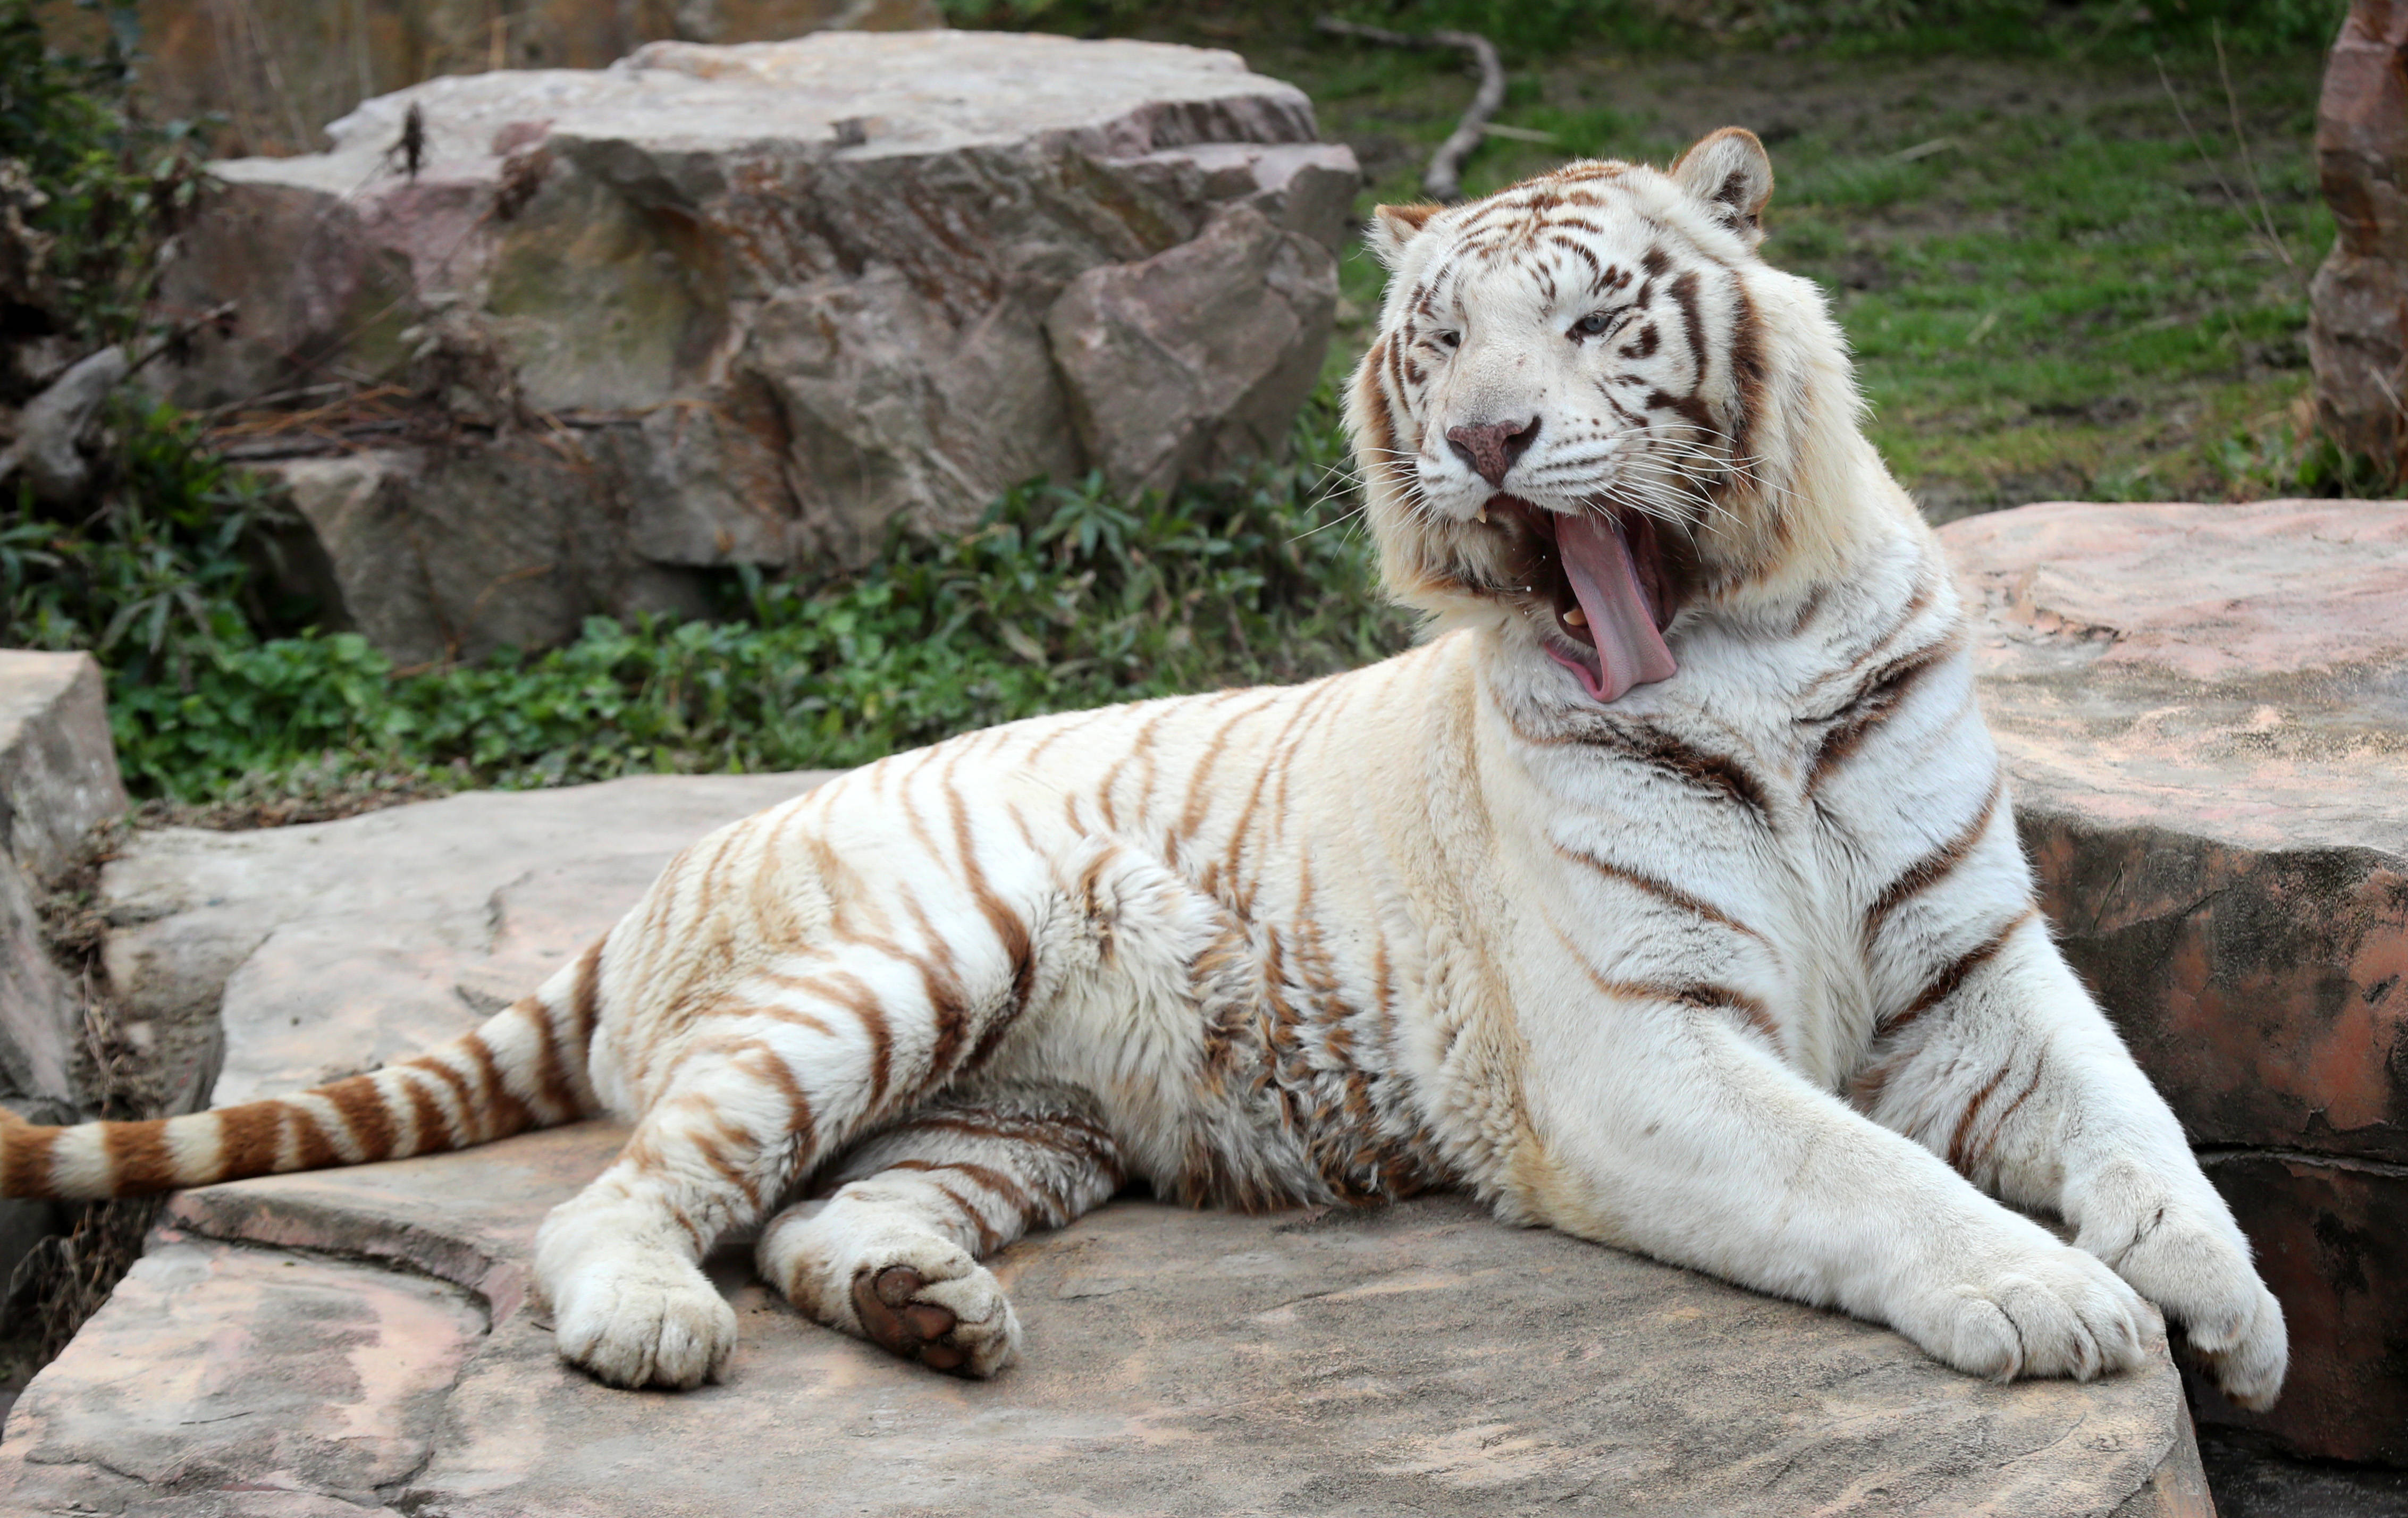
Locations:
{"points": [[751, 304], [1419, 1358], [2205, 712], [2357, 326], [57, 763], [57, 781]]}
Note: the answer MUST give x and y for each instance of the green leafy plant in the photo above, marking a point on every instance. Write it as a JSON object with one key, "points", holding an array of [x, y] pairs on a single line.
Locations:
{"points": [[109, 186], [1061, 597]]}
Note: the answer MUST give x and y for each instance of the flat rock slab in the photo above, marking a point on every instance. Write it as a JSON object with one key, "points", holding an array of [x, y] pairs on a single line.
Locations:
{"points": [[1420, 1359], [2204, 709]]}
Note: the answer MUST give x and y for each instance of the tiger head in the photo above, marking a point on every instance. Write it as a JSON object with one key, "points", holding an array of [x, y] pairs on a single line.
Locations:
{"points": [[1592, 410]]}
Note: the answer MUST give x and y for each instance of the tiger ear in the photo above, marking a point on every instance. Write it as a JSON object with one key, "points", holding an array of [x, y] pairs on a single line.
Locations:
{"points": [[1393, 226], [1729, 172]]}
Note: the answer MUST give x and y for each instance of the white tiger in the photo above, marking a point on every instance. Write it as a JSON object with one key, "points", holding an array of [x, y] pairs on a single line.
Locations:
{"points": [[1668, 896]]}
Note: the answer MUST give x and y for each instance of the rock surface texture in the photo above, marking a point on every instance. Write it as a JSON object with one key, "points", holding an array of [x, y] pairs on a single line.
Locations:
{"points": [[2358, 329], [2204, 709], [58, 781], [1420, 1359], [750, 305]]}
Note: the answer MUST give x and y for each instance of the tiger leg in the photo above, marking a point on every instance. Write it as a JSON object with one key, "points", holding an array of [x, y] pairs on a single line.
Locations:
{"points": [[785, 1068], [891, 1254], [1678, 1129], [2015, 1076]]}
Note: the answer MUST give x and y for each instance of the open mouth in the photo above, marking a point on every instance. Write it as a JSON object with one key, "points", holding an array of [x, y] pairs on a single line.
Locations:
{"points": [[1612, 594]]}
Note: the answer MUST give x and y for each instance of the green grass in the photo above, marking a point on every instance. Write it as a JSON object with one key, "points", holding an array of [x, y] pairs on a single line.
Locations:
{"points": [[1062, 598], [2073, 295]]}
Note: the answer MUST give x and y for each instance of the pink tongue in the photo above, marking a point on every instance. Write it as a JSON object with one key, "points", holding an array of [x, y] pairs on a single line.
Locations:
{"points": [[1629, 650]]}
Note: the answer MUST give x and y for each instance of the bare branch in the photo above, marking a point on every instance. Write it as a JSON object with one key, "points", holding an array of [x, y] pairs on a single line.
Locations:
{"points": [[1443, 180]]}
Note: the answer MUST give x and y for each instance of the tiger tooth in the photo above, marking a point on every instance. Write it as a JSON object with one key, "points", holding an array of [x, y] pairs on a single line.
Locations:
{"points": [[1575, 618], [1481, 516]]}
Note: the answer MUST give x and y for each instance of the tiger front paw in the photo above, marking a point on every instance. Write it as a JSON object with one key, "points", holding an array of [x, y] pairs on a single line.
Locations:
{"points": [[2032, 1308], [2186, 1254]]}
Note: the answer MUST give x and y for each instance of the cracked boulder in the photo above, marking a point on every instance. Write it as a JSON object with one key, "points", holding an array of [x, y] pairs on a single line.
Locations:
{"points": [[753, 304], [2204, 711]]}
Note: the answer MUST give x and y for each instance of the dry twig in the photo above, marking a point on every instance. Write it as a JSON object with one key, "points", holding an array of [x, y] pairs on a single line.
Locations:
{"points": [[1443, 180]]}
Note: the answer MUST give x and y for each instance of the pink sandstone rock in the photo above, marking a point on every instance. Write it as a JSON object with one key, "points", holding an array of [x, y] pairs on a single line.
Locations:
{"points": [[218, 1365], [1417, 1358], [2204, 711]]}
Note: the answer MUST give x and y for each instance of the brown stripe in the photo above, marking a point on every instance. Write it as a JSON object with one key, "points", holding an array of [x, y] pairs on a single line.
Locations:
{"points": [[989, 1240], [138, 1160], [585, 993], [1011, 933], [1065, 730], [1999, 1124], [1953, 977], [362, 1110], [471, 1110], [766, 1064], [855, 996], [1872, 705], [27, 1173], [1937, 866], [1965, 1123], [551, 1082], [1747, 357], [1684, 292], [715, 1155], [1720, 774], [940, 983], [510, 1114], [1703, 994], [1662, 890], [314, 1149], [1015, 1194], [1042, 1133], [249, 1138], [433, 1125], [1200, 797]]}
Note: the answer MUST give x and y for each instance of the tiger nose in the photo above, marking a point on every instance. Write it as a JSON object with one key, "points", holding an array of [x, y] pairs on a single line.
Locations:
{"points": [[1492, 448]]}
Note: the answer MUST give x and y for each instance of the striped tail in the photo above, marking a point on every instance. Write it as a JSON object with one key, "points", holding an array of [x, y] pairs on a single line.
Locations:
{"points": [[525, 1067]]}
